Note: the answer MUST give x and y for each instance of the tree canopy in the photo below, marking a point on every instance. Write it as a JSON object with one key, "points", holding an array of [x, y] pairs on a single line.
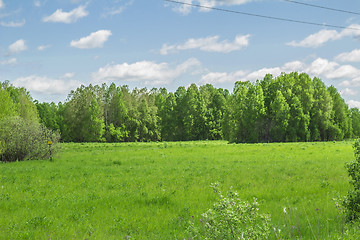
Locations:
{"points": [[289, 108]]}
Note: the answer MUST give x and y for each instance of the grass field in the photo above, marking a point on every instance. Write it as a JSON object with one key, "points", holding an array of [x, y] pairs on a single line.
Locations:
{"points": [[151, 190]]}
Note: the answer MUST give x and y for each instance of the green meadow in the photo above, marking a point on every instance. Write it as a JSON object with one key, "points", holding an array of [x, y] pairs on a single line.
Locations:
{"points": [[153, 190]]}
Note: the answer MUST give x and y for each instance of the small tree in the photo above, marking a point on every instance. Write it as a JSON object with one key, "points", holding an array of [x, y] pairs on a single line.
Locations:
{"points": [[231, 218], [352, 201], [24, 139]]}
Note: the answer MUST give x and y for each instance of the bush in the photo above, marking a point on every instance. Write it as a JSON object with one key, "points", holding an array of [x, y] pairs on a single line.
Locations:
{"points": [[231, 218], [24, 140], [352, 201]]}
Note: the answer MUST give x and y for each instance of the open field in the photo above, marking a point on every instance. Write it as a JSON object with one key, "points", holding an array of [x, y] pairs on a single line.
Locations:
{"points": [[151, 190]]}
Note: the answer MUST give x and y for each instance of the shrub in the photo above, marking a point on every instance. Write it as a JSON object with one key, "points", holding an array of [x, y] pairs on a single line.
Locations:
{"points": [[231, 218], [352, 201], [24, 140]]}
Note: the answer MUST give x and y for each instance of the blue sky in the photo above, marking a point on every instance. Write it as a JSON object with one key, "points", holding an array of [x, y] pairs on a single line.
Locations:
{"points": [[53, 46]]}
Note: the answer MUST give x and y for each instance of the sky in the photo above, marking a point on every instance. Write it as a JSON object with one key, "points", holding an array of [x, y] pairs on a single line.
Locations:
{"points": [[51, 47]]}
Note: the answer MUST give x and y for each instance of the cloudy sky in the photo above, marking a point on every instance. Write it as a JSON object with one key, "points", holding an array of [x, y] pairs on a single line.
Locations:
{"points": [[53, 46]]}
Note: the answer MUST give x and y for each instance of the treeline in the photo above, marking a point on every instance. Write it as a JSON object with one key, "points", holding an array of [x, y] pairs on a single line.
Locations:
{"points": [[292, 107]]}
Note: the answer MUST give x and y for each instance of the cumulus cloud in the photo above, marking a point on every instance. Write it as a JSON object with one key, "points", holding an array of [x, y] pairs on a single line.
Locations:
{"points": [[94, 40], [17, 47], [351, 83], [209, 44], [67, 17], [13, 24], [144, 71], [320, 67], [68, 75], [320, 38], [317, 39], [46, 85], [8, 62], [353, 104], [2, 4], [348, 92], [353, 56], [37, 3], [186, 9], [331, 70], [222, 77], [43, 47], [242, 75]]}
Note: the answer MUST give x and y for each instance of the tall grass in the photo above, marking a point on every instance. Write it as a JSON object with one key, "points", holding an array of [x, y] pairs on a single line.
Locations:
{"points": [[152, 190]]}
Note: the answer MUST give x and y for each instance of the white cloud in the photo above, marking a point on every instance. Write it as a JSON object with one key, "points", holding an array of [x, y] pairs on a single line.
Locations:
{"points": [[317, 39], [331, 70], [242, 75], [113, 11], [353, 104], [209, 44], [352, 83], [2, 4], [353, 56], [145, 71], [293, 66], [67, 17], [320, 67], [222, 77], [186, 8], [12, 23], [94, 40], [116, 10], [10, 61], [17, 46], [43, 47], [37, 3], [348, 92], [45, 85], [68, 75], [320, 38]]}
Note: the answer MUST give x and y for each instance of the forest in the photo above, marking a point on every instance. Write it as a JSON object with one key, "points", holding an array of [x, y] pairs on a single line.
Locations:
{"points": [[288, 108]]}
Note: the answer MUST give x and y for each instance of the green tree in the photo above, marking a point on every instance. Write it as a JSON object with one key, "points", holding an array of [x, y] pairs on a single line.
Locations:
{"points": [[167, 114], [341, 121], [48, 114], [180, 112], [7, 107], [195, 118], [83, 117], [298, 128], [215, 103], [355, 119], [22, 102], [280, 111], [115, 115], [321, 112]]}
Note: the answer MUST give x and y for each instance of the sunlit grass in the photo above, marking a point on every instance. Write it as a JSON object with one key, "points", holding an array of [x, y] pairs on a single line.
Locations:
{"points": [[151, 190]]}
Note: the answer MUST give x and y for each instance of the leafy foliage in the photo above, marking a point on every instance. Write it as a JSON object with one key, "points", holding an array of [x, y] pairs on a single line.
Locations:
{"points": [[352, 201], [22, 136], [231, 218], [23, 139]]}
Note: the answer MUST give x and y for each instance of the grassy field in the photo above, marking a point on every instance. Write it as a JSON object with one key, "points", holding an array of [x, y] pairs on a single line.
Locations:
{"points": [[151, 190]]}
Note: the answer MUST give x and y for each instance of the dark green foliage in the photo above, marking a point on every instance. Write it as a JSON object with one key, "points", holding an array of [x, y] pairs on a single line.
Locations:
{"points": [[23, 139], [83, 117], [355, 118], [352, 201], [49, 116]]}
